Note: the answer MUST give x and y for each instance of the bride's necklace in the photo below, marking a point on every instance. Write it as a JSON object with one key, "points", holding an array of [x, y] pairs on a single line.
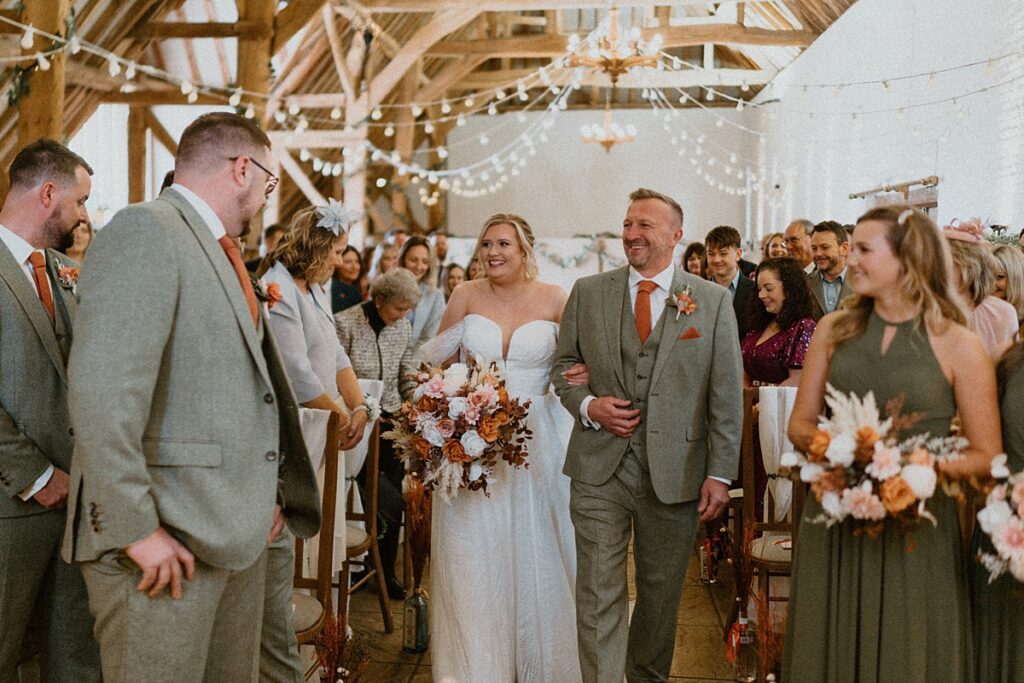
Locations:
{"points": [[507, 299]]}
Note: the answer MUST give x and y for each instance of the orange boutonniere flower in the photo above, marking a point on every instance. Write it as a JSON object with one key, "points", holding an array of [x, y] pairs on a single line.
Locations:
{"points": [[273, 294], [683, 302], [68, 276]]}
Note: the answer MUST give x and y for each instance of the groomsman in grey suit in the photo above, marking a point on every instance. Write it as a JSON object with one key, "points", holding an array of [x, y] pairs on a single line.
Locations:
{"points": [[49, 187], [188, 442], [656, 439]]}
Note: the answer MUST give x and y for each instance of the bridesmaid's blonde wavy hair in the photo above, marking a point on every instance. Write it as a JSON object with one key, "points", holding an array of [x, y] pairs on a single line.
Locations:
{"points": [[927, 275], [524, 236]]}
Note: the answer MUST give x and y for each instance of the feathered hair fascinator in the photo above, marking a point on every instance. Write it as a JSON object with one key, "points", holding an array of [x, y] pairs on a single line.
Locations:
{"points": [[335, 217]]}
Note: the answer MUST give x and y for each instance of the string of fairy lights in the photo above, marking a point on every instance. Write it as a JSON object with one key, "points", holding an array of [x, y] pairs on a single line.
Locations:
{"points": [[724, 169]]}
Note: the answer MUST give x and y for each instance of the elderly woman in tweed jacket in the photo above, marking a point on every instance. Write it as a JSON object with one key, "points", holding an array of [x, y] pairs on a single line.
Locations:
{"points": [[377, 337]]}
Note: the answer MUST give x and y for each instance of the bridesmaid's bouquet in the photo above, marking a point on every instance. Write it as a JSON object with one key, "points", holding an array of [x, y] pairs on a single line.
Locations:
{"points": [[858, 469], [459, 424], [1002, 521]]}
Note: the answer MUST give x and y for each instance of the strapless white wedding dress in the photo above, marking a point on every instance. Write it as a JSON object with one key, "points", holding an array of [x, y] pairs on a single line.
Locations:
{"points": [[503, 568]]}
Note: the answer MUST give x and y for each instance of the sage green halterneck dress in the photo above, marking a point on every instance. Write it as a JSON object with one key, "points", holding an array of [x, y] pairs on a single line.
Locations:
{"points": [[998, 607], [868, 609]]}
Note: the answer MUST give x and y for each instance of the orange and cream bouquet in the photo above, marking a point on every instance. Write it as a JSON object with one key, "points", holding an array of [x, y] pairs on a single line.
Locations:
{"points": [[459, 424], [859, 470]]}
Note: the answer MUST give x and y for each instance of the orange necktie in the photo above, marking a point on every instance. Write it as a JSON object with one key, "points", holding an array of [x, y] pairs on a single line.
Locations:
{"points": [[38, 262], [243, 276], [642, 309]]}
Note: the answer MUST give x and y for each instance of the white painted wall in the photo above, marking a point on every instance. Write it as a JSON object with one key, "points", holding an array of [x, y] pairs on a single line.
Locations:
{"points": [[819, 161], [572, 188]]}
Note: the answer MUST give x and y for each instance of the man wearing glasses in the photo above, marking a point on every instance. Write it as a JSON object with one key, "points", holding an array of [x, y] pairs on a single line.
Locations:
{"points": [[182, 467], [798, 241]]}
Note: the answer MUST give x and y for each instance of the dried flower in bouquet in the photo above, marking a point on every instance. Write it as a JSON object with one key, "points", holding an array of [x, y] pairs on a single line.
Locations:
{"points": [[459, 424], [859, 470], [417, 511]]}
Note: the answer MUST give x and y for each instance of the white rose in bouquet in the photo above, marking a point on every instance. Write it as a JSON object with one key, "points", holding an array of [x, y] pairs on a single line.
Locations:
{"points": [[832, 504], [921, 479], [994, 515], [473, 444], [475, 470], [432, 434], [811, 473], [455, 379], [841, 450], [456, 407]]}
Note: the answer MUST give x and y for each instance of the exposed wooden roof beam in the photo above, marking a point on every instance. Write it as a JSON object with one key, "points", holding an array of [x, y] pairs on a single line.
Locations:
{"points": [[290, 21], [302, 181], [313, 139], [447, 77], [675, 36], [208, 29], [651, 79], [392, 6]]}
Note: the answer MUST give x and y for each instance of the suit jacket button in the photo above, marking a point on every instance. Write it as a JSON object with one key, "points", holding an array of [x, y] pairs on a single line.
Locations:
{"points": [[268, 398], [271, 456]]}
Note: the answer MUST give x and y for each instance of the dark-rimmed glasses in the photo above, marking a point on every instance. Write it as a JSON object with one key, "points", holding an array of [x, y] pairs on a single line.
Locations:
{"points": [[272, 180]]}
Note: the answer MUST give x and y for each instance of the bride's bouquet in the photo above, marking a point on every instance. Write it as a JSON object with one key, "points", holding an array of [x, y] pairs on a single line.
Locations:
{"points": [[858, 469], [1002, 521], [459, 424]]}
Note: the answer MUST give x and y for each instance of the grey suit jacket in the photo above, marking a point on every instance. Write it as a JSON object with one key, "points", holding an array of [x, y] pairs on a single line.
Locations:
{"points": [[182, 413], [35, 430], [429, 312], [694, 405], [818, 291]]}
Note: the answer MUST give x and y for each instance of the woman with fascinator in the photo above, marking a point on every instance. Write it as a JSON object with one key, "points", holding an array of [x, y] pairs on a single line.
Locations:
{"points": [[503, 567], [320, 374]]}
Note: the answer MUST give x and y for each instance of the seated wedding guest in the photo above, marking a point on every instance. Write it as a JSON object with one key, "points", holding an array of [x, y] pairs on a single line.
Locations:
{"points": [[781, 324], [992, 319], [271, 236], [892, 605], [320, 373], [1009, 284], [42, 598], [774, 246], [694, 261], [454, 275], [385, 257], [828, 281], [798, 242], [345, 282], [194, 460], [474, 269], [377, 337], [997, 606], [723, 249], [418, 259], [83, 234]]}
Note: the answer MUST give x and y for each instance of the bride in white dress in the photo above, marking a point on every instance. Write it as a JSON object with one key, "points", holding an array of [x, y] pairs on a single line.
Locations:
{"points": [[503, 568]]}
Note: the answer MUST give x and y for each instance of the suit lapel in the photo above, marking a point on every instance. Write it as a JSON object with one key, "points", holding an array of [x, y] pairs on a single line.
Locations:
{"points": [[817, 289], [65, 300], [226, 275], [672, 328], [25, 293], [615, 287]]}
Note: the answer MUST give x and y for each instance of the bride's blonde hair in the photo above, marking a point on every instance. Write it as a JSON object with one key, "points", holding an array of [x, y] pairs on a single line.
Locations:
{"points": [[524, 236]]}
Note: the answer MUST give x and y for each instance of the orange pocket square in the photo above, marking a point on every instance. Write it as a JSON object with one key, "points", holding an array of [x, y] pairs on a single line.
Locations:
{"points": [[691, 333]]}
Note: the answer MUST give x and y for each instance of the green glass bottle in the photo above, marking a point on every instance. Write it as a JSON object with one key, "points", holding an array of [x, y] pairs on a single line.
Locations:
{"points": [[415, 623]]}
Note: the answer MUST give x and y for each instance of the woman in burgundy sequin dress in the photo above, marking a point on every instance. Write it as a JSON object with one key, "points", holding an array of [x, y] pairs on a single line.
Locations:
{"points": [[781, 324]]}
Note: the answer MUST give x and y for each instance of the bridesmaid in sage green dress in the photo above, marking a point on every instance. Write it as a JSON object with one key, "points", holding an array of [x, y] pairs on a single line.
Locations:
{"points": [[876, 609], [999, 606]]}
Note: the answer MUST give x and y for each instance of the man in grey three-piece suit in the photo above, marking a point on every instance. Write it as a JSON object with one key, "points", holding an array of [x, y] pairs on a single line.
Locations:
{"points": [[187, 437], [49, 186], [656, 439]]}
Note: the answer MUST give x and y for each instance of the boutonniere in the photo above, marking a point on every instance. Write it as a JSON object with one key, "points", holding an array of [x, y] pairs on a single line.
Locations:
{"points": [[67, 276], [270, 294], [683, 302]]}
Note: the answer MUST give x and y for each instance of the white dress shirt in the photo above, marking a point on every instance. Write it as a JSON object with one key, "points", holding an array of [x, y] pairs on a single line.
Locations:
{"points": [[658, 298], [204, 210], [21, 250]]}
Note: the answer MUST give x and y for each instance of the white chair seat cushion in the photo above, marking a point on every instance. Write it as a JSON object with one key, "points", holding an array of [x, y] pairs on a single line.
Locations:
{"points": [[306, 611], [771, 548], [355, 534]]}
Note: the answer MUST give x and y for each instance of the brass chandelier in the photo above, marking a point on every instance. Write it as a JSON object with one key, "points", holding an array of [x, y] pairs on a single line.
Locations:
{"points": [[606, 51]]}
